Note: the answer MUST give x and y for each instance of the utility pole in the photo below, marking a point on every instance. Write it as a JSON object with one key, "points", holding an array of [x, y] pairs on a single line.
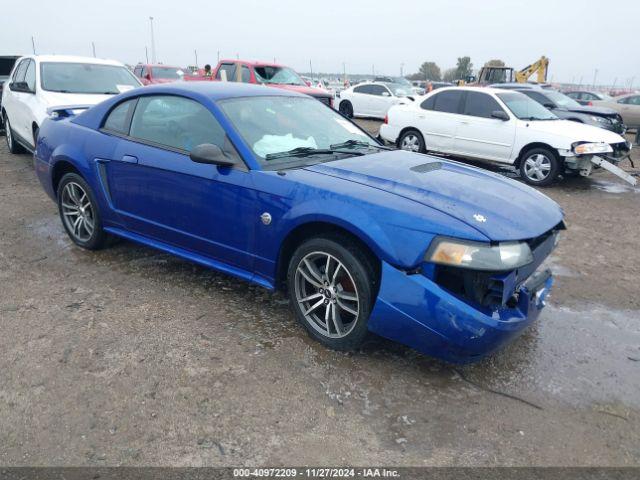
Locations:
{"points": [[153, 42], [310, 69], [631, 83], [195, 52], [33, 45], [93, 47], [373, 70], [146, 53], [580, 84], [401, 69], [595, 74], [218, 56]]}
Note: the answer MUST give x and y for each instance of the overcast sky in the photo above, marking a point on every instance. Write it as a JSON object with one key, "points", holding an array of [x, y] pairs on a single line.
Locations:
{"points": [[577, 36]]}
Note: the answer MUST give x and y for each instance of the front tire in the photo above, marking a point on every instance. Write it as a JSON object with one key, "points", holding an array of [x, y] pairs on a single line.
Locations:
{"points": [[331, 284], [539, 167], [79, 213], [412, 141], [346, 109], [13, 146]]}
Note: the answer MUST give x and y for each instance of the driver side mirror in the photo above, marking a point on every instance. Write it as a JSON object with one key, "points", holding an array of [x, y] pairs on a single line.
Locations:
{"points": [[20, 87], [500, 115], [210, 154]]}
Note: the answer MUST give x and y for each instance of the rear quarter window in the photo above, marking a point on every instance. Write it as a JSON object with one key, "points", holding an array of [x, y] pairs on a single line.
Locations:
{"points": [[119, 118]]}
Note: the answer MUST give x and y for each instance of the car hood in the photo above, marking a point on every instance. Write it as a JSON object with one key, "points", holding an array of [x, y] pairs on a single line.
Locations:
{"points": [[57, 99], [600, 111], [574, 131], [314, 92], [499, 208]]}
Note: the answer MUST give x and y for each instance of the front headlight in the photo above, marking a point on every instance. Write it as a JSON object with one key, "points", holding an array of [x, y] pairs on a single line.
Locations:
{"points": [[600, 119], [479, 256], [592, 148]]}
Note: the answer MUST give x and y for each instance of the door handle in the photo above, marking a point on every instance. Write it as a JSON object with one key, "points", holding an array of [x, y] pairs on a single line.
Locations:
{"points": [[129, 159]]}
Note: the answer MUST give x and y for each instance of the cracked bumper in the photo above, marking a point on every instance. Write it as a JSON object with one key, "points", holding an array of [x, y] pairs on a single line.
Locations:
{"points": [[414, 310]]}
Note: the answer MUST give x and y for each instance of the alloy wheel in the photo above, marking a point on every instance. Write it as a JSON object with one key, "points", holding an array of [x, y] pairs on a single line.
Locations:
{"points": [[410, 142], [537, 167], [77, 212], [327, 295]]}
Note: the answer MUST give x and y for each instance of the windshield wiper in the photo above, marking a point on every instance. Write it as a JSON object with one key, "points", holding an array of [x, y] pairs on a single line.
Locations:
{"points": [[307, 151], [357, 143]]}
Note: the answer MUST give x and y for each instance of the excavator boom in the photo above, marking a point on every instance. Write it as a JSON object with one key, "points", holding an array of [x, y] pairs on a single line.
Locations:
{"points": [[540, 67]]}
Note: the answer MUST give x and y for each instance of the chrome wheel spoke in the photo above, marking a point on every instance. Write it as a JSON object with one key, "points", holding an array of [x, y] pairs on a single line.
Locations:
{"points": [[342, 295], [313, 270], [337, 320], [310, 297], [346, 309], [314, 306]]}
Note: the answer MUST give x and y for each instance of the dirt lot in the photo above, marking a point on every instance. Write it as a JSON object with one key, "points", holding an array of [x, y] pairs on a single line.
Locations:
{"points": [[129, 356]]}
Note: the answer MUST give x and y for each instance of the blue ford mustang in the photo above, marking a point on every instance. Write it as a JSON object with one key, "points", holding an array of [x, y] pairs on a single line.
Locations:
{"points": [[278, 189]]}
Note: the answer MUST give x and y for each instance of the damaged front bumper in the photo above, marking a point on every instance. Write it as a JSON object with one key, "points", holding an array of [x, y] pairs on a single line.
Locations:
{"points": [[586, 164], [414, 308]]}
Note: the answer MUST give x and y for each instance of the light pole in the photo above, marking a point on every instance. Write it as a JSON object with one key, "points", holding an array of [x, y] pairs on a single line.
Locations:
{"points": [[195, 52], [153, 42], [33, 44], [401, 69], [595, 74], [93, 47]]}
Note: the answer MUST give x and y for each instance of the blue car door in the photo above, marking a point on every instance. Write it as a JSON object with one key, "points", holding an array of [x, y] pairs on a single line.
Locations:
{"points": [[161, 194]]}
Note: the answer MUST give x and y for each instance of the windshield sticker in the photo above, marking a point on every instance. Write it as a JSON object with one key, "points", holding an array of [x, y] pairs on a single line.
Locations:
{"points": [[281, 143]]}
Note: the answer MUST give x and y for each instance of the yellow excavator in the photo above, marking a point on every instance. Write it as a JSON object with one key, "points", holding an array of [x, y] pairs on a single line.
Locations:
{"points": [[494, 74]]}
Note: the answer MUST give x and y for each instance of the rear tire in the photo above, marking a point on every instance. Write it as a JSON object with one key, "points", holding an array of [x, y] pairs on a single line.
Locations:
{"points": [[79, 213], [332, 285], [346, 109], [412, 141], [13, 146], [539, 167]]}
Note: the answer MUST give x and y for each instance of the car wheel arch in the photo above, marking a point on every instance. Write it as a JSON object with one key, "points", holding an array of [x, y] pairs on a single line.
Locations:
{"points": [[314, 229], [531, 146], [406, 129], [60, 169]]}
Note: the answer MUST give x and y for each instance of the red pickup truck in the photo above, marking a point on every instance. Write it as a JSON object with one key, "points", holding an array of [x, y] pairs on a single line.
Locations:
{"points": [[270, 74]]}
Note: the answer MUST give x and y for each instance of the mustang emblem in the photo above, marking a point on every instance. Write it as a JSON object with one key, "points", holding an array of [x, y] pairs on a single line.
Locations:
{"points": [[479, 218]]}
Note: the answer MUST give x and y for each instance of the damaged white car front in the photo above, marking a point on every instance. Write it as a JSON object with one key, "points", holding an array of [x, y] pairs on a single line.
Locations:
{"points": [[585, 157]]}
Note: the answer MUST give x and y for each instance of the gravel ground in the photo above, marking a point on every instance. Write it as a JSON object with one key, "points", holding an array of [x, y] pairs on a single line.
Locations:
{"points": [[129, 356]]}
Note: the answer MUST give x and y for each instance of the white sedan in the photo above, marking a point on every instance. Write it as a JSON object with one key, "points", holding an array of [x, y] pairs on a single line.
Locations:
{"points": [[40, 82], [504, 127], [372, 99]]}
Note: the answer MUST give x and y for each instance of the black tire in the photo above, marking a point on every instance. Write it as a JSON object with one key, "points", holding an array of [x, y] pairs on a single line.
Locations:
{"points": [[13, 146], [346, 109], [355, 278], [412, 141], [97, 238], [547, 170]]}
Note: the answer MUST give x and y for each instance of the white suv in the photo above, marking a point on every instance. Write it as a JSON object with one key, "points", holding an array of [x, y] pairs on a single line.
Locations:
{"points": [[372, 99], [40, 82], [505, 127]]}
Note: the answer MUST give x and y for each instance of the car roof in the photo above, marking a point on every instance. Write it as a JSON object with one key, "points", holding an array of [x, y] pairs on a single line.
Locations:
{"points": [[218, 90], [253, 63], [73, 59], [472, 89]]}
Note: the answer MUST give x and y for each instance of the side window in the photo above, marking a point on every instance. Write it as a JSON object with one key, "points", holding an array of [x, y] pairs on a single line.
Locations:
{"points": [[361, 89], [144, 72], [175, 122], [634, 100], [30, 76], [448, 101], [378, 90], [229, 69], [538, 97], [429, 103], [119, 118], [246, 74], [21, 69], [138, 71], [480, 105]]}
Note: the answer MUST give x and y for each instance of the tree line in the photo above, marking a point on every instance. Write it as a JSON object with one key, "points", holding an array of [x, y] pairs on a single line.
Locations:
{"points": [[430, 71]]}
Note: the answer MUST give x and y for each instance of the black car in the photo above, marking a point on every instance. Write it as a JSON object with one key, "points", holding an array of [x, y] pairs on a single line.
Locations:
{"points": [[568, 109], [6, 65]]}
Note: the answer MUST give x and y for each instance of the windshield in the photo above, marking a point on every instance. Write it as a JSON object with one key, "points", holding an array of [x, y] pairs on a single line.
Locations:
{"points": [[399, 89], [561, 99], [86, 78], [273, 126], [280, 75], [167, 73], [524, 108]]}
